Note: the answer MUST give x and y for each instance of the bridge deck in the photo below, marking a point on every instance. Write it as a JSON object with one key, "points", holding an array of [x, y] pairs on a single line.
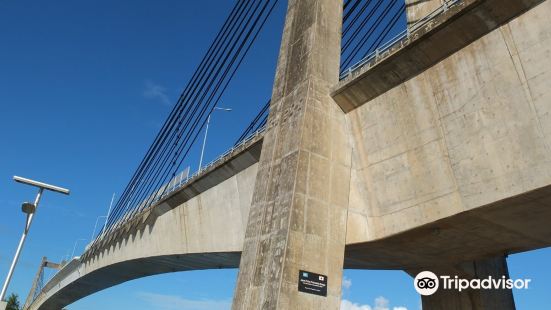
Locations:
{"points": [[445, 34]]}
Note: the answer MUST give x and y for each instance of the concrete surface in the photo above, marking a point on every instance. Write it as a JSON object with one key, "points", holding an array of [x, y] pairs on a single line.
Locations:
{"points": [[468, 137], [462, 24], [509, 226], [496, 267], [417, 9], [298, 216]]}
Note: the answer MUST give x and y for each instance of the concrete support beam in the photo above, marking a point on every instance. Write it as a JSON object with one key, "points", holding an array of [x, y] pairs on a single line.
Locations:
{"points": [[473, 299], [298, 214]]}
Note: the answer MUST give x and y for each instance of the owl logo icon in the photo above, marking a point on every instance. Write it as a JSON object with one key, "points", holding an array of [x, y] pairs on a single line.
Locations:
{"points": [[426, 283]]}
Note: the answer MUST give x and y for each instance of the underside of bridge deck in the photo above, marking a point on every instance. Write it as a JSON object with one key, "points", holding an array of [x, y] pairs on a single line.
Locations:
{"points": [[137, 268], [513, 225]]}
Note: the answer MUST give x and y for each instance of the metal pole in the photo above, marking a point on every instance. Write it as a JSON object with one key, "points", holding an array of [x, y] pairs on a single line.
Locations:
{"points": [[96, 226], [20, 246], [75, 247], [108, 213], [206, 133], [66, 257], [204, 142]]}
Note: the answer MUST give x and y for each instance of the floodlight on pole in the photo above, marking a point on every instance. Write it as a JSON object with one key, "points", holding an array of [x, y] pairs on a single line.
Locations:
{"points": [[29, 209], [207, 132]]}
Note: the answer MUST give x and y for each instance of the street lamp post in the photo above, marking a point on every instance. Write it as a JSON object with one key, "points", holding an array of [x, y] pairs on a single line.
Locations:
{"points": [[29, 209], [96, 226], [108, 212], [104, 226], [75, 247], [206, 133]]}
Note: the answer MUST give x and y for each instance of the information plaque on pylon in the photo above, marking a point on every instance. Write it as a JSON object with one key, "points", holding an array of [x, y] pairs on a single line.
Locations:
{"points": [[312, 283]]}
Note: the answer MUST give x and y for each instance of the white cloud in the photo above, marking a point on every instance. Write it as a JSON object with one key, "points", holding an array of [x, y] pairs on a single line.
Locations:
{"points": [[348, 305], [346, 283], [156, 92], [381, 303], [171, 302]]}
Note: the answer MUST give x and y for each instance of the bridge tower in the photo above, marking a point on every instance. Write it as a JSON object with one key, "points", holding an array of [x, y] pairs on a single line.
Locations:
{"points": [[298, 214]]}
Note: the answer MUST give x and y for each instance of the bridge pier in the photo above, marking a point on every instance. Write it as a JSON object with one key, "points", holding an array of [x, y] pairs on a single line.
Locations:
{"points": [[298, 214], [472, 299]]}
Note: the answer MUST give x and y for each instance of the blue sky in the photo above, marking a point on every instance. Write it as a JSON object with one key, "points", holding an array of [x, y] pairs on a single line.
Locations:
{"points": [[84, 88]]}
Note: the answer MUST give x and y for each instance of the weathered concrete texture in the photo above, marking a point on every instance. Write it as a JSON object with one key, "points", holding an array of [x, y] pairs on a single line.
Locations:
{"points": [[472, 133], [512, 225], [298, 215], [482, 299], [463, 23], [417, 9], [205, 232]]}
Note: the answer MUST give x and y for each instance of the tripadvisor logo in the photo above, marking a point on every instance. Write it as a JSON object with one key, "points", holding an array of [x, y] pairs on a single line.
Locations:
{"points": [[427, 283]]}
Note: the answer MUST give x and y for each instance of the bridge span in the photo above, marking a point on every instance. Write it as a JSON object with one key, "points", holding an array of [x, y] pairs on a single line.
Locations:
{"points": [[446, 163]]}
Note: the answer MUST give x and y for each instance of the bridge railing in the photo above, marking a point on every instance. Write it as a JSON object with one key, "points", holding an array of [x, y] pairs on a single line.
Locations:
{"points": [[174, 185], [214, 162], [400, 36]]}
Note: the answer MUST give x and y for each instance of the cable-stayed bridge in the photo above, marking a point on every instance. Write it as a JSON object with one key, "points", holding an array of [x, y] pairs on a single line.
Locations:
{"points": [[418, 144]]}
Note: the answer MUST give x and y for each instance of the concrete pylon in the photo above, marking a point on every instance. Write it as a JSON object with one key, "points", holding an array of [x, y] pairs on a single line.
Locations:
{"points": [[299, 209], [470, 299]]}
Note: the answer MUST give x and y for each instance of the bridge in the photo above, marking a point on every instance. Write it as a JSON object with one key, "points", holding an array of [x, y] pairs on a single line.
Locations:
{"points": [[431, 153]]}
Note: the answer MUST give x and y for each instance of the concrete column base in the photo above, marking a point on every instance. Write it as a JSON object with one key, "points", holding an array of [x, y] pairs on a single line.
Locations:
{"points": [[480, 299], [3, 305]]}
